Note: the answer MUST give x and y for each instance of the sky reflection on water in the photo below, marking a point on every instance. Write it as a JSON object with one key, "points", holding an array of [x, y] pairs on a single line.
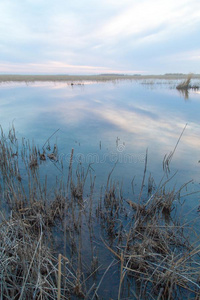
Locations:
{"points": [[104, 122]]}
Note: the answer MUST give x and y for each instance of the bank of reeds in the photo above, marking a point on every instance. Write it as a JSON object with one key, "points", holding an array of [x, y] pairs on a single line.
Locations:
{"points": [[33, 212], [45, 232], [153, 246], [185, 85]]}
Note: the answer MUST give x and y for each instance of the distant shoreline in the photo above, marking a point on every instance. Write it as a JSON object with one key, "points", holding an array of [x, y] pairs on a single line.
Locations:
{"points": [[96, 78]]}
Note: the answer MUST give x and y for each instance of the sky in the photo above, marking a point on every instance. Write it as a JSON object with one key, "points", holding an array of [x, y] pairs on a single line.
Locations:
{"points": [[95, 37]]}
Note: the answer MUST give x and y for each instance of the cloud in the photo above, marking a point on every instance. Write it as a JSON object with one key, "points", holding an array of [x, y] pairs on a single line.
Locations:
{"points": [[149, 15], [119, 35], [54, 67]]}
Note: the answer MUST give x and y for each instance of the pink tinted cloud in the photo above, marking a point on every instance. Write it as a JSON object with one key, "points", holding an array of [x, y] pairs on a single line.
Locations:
{"points": [[55, 67]]}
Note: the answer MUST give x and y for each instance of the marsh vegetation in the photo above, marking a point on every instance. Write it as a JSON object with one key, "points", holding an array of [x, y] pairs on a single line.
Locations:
{"points": [[95, 78], [62, 239]]}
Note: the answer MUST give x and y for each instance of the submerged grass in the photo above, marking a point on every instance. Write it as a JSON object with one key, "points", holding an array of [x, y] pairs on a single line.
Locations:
{"points": [[43, 233], [185, 85]]}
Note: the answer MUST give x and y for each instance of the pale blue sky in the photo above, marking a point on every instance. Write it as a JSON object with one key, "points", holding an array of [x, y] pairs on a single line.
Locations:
{"points": [[92, 37]]}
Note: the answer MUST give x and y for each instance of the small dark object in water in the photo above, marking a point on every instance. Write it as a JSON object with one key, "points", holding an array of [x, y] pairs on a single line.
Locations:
{"points": [[52, 156], [42, 156], [195, 87], [19, 178], [15, 154], [33, 163]]}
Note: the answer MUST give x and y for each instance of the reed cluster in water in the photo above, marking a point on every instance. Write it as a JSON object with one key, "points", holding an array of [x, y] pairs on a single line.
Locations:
{"points": [[49, 244]]}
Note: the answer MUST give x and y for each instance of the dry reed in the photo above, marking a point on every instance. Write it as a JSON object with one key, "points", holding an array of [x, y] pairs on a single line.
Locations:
{"points": [[42, 233]]}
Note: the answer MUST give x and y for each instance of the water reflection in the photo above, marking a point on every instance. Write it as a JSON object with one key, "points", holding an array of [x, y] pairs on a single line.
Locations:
{"points": [[105, 124], [184, 93], [174, 85], [100, 113]]}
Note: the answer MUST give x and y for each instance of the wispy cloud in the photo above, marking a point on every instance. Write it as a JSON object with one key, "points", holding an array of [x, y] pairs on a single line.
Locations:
{"points": [[113, 35], [57, 67]]}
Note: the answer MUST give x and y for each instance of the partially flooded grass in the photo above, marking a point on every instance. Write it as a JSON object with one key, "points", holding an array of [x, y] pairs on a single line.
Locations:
{"points": [[49, 238], [185, 85], [155, 255], [80, 79]]}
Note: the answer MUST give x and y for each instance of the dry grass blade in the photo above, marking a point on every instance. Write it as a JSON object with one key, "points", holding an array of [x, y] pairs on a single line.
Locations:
{"points": [[30, 266], [59, 276], [167, 159], [95, 293], [50, 137], [144, 174]]}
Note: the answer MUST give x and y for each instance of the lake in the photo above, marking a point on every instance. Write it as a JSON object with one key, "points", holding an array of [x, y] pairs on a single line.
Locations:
{"points": [[110, 125], [105, 122]]}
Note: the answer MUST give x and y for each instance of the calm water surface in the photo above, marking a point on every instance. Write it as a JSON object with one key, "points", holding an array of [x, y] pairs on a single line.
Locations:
{"points": [[105, 122], [109, 122]]}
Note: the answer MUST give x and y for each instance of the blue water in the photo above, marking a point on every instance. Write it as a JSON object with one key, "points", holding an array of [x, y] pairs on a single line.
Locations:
{"points": [[107, 123]]}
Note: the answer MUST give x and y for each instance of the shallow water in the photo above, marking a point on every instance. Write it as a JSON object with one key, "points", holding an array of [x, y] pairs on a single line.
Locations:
{"points": [[107, 123]]}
